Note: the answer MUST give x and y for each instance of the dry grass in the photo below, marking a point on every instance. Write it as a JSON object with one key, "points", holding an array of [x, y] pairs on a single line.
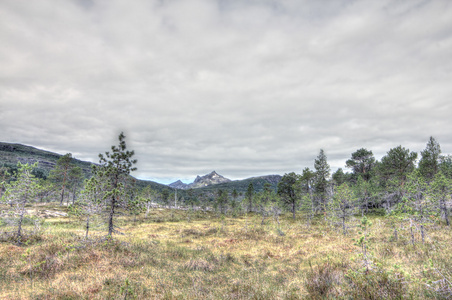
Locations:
{"points": [[167, 257]]}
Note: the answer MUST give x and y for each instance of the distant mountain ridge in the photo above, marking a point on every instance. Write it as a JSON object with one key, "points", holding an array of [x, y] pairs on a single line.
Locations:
{"points": [[201, 181], [211, 182], [12, 153], [241, 186]]}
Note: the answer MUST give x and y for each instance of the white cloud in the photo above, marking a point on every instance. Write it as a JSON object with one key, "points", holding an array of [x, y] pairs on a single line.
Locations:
{"points": [[243, 87]]}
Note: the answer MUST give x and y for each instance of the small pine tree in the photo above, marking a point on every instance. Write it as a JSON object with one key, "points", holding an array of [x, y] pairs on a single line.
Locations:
{"points": [[416, 205], [440, 190], [59, 175], [249, 197], [363, 242], [343, 205], [113, 169], [19, 193], [91, 203]]}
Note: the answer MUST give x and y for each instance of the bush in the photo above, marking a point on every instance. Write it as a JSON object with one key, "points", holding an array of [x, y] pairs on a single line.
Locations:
{"points": [[320, 281], [375, 284]]}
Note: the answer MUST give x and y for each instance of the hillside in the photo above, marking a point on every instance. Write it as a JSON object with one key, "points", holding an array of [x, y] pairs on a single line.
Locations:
{"points": [[242, 185], [11, 154]]}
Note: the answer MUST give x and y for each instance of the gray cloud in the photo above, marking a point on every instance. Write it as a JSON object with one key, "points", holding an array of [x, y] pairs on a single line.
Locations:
{"points": [[243, 87]]}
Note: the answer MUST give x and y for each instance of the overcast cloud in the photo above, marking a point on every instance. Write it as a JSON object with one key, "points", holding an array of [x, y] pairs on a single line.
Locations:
{"points": [[243, 87]]}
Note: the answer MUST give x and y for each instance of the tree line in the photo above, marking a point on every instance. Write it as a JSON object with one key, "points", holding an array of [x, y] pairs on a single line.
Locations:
{"points": [[396, 184]]}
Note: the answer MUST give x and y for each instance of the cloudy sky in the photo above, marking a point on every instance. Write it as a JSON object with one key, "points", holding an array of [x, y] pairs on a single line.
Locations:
{"points": [[243, 87]]}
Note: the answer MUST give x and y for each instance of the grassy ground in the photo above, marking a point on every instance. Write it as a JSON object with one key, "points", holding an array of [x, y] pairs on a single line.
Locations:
{"points": [[185, 255]]}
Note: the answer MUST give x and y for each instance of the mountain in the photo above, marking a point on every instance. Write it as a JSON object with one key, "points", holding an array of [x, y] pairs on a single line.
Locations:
{"points": [[178, 185], [242, 185], [11, 154], [212, 178], [207, 180]]}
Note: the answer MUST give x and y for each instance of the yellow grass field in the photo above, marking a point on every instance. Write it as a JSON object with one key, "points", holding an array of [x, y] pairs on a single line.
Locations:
{"points": [[175, 254]]}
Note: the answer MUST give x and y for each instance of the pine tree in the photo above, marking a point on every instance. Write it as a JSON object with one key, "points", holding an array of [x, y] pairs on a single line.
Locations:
{"points": [[322, 173], [307, 200], [19, 193], [59, 175], [222, 201], [75, 181], [113, 169], [249, 197], [440, 190], [361, 162], [362, 192], [289, 190], [4, 175], [91, 204], [343, 204], [415, 203], [430, 159]]}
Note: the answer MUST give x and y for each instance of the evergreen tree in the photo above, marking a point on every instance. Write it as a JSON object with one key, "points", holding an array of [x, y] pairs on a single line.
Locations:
{"points": [[339, 177], [222, 201], [362, 193], [113, 169], [416, 204], [59, 175], [307, 199], [342, 205], [322, 173], [264, 201], [397, 164], [165, 196], [393, 171], [19, 193], [249, 197], [75, 181], [4, 175], [361, 162], [288, 190], [445, 166], [91, 204], [147, 197], [440, 192], [430, 159]]}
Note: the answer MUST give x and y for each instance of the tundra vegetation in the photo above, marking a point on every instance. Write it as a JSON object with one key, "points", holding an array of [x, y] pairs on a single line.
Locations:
{"points": [[381, 230]]}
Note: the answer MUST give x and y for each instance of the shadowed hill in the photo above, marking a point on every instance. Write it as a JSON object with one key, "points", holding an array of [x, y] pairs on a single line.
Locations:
{"points": [[11, 154]]}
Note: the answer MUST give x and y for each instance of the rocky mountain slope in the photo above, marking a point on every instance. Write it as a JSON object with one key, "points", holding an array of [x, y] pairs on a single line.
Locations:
{"points": [[211, 182], [201, 181]]}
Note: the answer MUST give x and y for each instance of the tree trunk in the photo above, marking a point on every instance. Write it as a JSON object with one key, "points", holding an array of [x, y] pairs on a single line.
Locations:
{"points": [[445, 211], [343, 225], [64, 185], [110, 219], [293, 209], [87, 227], [19, 227], [422, 233]]}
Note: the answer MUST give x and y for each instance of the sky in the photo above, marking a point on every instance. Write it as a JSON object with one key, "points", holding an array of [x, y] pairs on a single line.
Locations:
{"points": [[242, 87]]}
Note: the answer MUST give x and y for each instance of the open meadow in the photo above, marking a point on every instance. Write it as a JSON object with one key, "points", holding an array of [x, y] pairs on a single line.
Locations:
{"points": [[179, 254]]}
